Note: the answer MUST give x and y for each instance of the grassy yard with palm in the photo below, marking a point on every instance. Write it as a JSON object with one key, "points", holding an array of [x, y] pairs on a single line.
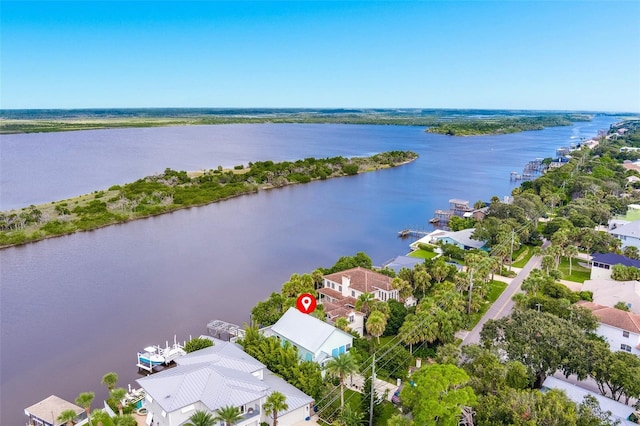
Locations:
{"points": [[579, 274]]}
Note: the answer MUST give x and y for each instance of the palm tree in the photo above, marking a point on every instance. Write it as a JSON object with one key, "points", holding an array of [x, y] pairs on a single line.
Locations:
{"points": [[126, 420], [342, 366], [570, 252], [67, 416], [100, 417], [110, 380], [201, 418], [229, 415], [275, 402], [364, 302], [342, 323], [84, 400], [117, 395], [376, 323]]}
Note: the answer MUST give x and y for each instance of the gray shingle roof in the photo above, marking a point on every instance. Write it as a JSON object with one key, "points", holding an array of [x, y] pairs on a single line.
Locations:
{"points": [[400, 262], [304, 330]]}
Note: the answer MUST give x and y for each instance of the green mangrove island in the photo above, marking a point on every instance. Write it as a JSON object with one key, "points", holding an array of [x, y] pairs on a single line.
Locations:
{"points": [[501, 124], [174, 190], [449, 122]]}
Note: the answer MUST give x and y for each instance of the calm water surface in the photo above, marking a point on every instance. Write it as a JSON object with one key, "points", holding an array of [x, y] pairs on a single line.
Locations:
{"points": [[76, 307]]}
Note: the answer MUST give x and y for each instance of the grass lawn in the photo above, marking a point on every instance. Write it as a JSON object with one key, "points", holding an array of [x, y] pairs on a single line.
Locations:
{"points": [[353, 399], [579, 274], [495, 290], [423, 254], [522, 256]]}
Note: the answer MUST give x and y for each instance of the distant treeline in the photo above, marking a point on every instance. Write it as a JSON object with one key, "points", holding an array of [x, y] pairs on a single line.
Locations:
{"points": [[173, 190], [500, 125], [31, 121]]}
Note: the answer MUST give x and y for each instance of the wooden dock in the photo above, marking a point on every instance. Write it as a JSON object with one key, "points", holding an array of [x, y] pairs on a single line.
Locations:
{"points": [[412, 233]]}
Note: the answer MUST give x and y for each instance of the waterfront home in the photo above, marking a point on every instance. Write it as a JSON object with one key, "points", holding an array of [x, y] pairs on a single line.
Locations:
{"points": [[399, 262], [628, 234], [619, 411], [461, 239], [215, 377], [608, 292], [47, 411], [602, 264], [341, 290], [316, 340], [619, 328]]}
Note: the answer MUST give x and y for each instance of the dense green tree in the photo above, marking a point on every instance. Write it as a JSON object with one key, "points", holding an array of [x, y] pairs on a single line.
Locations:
{"points": [[275, 403], [538, 340], [365, 401], [297, 285], [341, 367], [197, 343], [590, 414], [350, 417], [347, 262], [438, 395], [269, 311], [125, 420], [631, 252], [201, 418], [399, 420], [342, 323], [397, 313], [229, 415]]}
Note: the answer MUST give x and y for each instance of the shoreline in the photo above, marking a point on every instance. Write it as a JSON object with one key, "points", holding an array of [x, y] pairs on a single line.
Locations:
{"points": [[38, 234]]}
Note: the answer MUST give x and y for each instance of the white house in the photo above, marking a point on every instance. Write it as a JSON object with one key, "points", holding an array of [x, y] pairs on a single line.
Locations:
{"points": [[602, 264], [628, 234], [461, 239], [316, 340], [621, 329], [216, 377], [341, 290]]}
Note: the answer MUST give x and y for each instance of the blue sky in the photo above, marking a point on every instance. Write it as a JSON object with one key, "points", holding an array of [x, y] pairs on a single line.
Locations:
{"points": [[562, 55]]}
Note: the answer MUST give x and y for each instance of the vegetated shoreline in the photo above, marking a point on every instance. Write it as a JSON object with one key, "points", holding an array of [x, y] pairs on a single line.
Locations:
{"points": [[176, 190], [449, 122]]}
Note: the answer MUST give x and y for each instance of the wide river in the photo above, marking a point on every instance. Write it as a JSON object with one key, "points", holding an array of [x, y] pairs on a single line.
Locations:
{"points": [[76, 307]]}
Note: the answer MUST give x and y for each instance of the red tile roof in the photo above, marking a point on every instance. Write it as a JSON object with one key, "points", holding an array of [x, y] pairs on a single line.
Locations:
{"points": [[614, 317], [362, 279]]}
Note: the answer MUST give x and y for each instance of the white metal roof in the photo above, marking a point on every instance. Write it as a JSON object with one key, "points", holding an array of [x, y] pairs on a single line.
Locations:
{"points": [[223, 354], [304, 330]]}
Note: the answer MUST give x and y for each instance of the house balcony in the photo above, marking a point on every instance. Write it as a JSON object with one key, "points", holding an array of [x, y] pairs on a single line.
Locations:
{"points": [[252, 411]]}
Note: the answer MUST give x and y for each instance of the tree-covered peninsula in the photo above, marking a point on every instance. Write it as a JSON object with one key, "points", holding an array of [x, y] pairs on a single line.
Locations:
{"points": [[174, 190], [503, 124]]}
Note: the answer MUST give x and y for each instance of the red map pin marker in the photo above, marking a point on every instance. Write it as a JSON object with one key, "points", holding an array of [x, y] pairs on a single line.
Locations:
{"points": [[306, 303]]}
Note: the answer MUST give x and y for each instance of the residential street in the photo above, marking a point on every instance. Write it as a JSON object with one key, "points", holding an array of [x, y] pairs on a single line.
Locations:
{"points": [[503, 306]]}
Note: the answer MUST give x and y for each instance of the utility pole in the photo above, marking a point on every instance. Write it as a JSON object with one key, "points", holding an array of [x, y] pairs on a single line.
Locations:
{"points": [[513, 235], [373, 382], [470, 290]]}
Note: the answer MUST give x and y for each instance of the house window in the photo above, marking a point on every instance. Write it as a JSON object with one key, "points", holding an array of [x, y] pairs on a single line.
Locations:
{"points": [[333, 286], [334, 353], [340, 288], [353, 293], [625, 347], [348, 346], [341, 349], [351, 318], [625, 334], [307, 357]]}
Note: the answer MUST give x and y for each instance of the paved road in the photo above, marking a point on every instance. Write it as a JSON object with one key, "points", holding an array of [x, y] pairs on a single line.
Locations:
{"points": [[503, 306]]}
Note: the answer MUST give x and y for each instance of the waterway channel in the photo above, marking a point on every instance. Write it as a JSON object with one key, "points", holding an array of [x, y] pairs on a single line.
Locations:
{"points": [[76, 307]]}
